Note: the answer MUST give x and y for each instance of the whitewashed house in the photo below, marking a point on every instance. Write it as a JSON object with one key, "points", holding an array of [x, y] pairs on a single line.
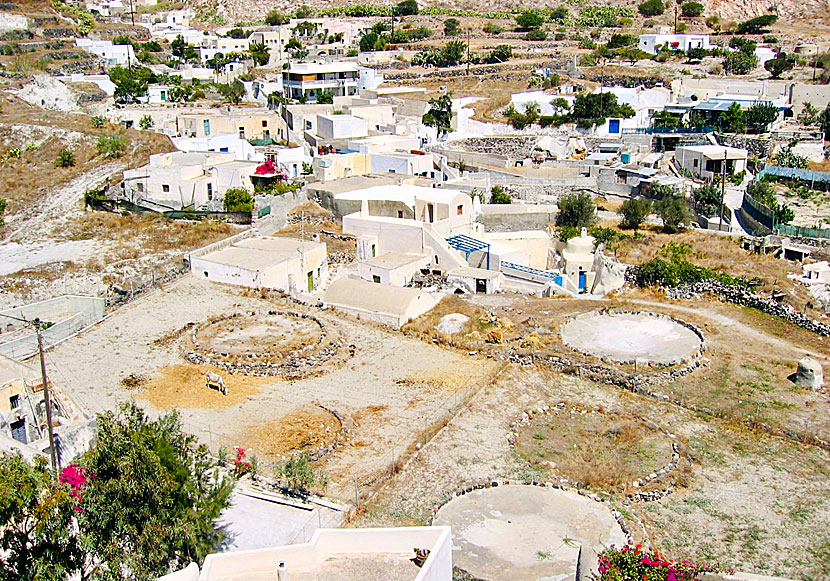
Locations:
{"points": [[653, 43]]}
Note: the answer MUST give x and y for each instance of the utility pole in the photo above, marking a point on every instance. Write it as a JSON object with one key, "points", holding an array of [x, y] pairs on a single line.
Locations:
{"points": [[722, 188], [675, 17], [468, 51], [37, 323], [132, 12]]}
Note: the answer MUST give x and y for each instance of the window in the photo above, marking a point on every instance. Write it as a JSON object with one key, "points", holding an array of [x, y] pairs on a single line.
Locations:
{"points": [[207, 126], [375, 278], [308, 125], [694, 163], [139, 186], [241, 133], [460, 210], [400, 214], [265, 123], [165, 188], [210, 191], [14, 402]]}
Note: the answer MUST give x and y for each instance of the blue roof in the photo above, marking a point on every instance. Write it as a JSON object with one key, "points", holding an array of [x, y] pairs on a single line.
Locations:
{"points": [[466, 244]]}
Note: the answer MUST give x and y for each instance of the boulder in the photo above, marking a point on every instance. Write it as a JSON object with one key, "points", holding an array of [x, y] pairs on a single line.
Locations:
{"points": [[809, 374]]}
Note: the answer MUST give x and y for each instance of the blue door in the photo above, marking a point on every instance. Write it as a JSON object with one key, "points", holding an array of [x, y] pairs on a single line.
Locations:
{"points": [[581, 280], [614, 126]]}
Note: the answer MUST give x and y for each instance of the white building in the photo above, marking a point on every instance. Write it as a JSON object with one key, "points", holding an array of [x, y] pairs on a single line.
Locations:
{"points": [[222, 44], [341, 127], [176, 180], [390, 305], [393, 268], [706, 161], [653, 43], [266, 262], [343, 554], [291, 159], [645, 102], [113, 54], [227, 143], [307, 80]]}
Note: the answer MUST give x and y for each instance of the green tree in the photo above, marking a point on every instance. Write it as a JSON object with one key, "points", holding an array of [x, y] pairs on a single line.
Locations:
{"points": [[146, 122], [492, 28], [36, 514], [178, 46], [368, 41], [499, 196], [618, 40], [237, 33], [666, 120], [593, 109], [659, 191], [707, 200], [238, 200], [758, 117], [824, 122], [652, 8], [529, 20], [635, 211], [300, 475], [325, 98], [691, 9], [232, 92], [122, 39], [407, 8], [439, 114], [674, 211], [130, 83], [151, 503], [757, 25], [259, 53], [732, 120], [453, 53], [500, 54], [536, 34], [65, 158], [788, 158], [111, 145], [809, 114], [276, 18], [739, 63], [293, 44], [778, 66], [576, 209], [451, 27], [560, 13]]}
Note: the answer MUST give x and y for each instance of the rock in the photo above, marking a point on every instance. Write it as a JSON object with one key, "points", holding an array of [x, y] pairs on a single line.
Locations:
{"points": [[809, 374]]}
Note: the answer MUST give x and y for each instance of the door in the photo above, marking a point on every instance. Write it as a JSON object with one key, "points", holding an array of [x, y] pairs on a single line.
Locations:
{"points": [[19, 431], [581, 280], [481, 286], [614, 126], [431, 213], [310, 281]]}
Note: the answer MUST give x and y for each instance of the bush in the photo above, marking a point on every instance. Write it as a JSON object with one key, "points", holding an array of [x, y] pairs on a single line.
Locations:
{"points": [[778, 66], [536, 34], [739, 63], [707, 200], [65, 158], [407, 8], [146, 122], [275, 18], [499, 196], [98, 121], [674, 211], [500, 54], [635, 211], [492, 28], [692, 9], [452, 27], [788, 158], [652, 8], [111, 145], [576, 209], [529, 20], [238, 200]]}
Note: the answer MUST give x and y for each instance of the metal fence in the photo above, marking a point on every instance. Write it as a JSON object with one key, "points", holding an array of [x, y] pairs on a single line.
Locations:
{"points": [[806, 175]]}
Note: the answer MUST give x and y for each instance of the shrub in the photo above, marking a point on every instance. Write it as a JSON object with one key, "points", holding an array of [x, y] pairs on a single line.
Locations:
{"points": [[146, 122], [111, 145], [740, 63], [238, 200], [492, 28], [692, 9], [65, 158], [98, 121], [788, 158], [407, 8], [707, 200], [576, 209], [452, 27], [652, 8], [674, 211], [635, 211], [275, 18], [529, 20], [499, 196], [536, 34]]}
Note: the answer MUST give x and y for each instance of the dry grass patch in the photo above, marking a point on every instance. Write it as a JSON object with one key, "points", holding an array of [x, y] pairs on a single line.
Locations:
{"points": [[460, 378], [589, 446], [302, 430], [183, 386]]}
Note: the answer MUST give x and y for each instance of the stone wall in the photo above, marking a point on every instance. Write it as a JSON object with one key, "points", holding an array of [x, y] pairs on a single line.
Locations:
{"points": [[760, 147]]}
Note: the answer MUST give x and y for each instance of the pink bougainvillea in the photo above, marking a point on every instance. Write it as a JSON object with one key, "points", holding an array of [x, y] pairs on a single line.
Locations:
{"points": [[241, 465], [635, 562], [77, 477]]}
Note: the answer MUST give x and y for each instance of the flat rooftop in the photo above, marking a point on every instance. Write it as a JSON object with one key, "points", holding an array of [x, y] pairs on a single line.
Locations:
{"points": [[259, 253], [394, 259], [361, 567]]}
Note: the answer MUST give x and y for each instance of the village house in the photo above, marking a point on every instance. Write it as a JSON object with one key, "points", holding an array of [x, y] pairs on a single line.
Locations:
{"points": [[223, 143], [307, 80], [393, 268], [286, 264], [176, 180], [244, 123], [645, 102], [390, 305], [654, 43], [707, 161], [112, 54]]}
